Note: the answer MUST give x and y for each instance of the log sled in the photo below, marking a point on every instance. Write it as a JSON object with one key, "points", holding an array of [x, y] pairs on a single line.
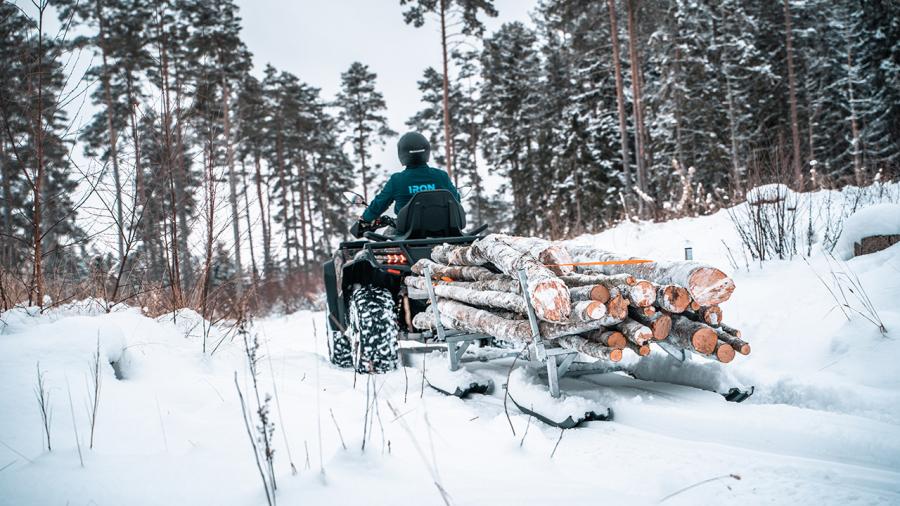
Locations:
{"points": [[571, 309]]}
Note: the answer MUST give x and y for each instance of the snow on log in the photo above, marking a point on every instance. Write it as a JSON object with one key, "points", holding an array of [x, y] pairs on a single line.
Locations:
{"points": [[641, 294], [660, 323], [692, 335], [587, 310], [552, 255], [706, 284], [590, 348], [598, 293], [498, 300], [739, 345], [610, 338], [549, 295], [490, 285], [673, 298], [486, 322], [582, 279], [636, 332], [617, 306], [711, 315], [456, 272]]}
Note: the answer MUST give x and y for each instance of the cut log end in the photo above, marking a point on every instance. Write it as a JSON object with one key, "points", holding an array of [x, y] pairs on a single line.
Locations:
{"points": [[611, 338], [550, 299], [710, 286], [744, 349], [724, 353], [617, 307], [704, 341], [642, 350], [661, 327], [642, 293], [600, 293], [615, 355], [674, 299]]}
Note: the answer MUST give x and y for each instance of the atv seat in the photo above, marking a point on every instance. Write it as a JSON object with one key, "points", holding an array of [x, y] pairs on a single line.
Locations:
{"points": [[431, 214]]}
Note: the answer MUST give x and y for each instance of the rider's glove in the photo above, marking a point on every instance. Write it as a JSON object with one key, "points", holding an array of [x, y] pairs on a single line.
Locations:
{"points": [[361, 227]]}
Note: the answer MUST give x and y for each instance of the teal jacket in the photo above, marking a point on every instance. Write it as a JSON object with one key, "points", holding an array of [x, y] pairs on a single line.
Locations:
{"points": [[402, 185]]}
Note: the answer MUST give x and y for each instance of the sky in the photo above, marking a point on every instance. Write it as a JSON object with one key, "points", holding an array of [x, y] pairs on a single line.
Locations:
{"points": [[318, 39]]}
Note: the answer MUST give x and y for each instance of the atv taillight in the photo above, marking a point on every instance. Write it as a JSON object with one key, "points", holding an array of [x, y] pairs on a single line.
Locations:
{"points": [[392, 259]]}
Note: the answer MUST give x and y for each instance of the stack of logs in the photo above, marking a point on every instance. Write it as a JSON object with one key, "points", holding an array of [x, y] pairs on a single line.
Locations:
{"points": [[586, 299]]}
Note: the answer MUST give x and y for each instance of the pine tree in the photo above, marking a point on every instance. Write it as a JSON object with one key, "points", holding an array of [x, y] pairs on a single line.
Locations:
{"points": [[361, 117]]}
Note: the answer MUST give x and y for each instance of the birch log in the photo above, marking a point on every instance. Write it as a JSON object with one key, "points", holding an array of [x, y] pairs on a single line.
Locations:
{"points": [[598, 293], [590, 348], [731, 330], [636, 332], [499, 300], [549, 295], [739, 345], [724, 352], [642, 350], [641, 294], [673, 298], [456, 272], [659, 323], [611, 338], [706, 284], [693, 335], [485, 322], [710, 315], [617, 307], [555, 257], [581, 279]]}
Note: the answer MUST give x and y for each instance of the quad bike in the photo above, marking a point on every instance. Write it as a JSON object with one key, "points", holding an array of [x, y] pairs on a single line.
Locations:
{"points": [[370, 311], [368, 306]]}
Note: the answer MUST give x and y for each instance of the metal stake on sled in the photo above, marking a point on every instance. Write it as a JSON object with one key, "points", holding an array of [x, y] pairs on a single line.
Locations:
{"points": [[457, 342]]}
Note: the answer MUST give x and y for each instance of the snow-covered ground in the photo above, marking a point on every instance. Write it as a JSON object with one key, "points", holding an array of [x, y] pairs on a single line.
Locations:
{"points": [[822, 428]]}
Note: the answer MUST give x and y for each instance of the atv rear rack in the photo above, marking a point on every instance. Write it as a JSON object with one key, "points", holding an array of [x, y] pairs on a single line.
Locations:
{"points": [[557, 362]]}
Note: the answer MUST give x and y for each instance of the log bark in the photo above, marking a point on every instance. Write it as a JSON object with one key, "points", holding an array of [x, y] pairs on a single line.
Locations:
{"points": [[660, 323], [693, 335], [587, 310], [584, 279], [491, 285], [642, 350], [724, 352], [739, 345], [610, 338], [548, 294], [598, 293], [731, 330], [456, 272], [673, 298], [552, 255], [590, 348], [484, 322], [706, 284], [498, 300], [636, 332]]}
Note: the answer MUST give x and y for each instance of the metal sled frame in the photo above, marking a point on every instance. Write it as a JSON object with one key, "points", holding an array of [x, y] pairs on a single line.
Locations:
{"points": [[557, 362]]}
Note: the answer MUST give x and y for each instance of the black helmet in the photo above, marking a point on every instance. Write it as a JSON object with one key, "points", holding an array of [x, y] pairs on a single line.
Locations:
{"points": [[413, 149]]}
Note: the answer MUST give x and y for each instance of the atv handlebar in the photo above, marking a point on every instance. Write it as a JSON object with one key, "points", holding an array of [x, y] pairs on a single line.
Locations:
{"points": [[360, 228]]}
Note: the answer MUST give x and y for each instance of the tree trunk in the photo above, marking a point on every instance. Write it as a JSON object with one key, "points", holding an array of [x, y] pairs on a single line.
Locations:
{"points": [[499, 300], [635, 332], [795, 127], [285, 204], [736, 343], [724, 352], [610, 338], [609, 281], [36, 292], [597, 293], [111, 128], [555, 257], [638, 104], [246, 189], [263, 218], [232, 189], [673, 298], [448, 139], [456, 272], [6, 250], [854, 126], [620, 95]]}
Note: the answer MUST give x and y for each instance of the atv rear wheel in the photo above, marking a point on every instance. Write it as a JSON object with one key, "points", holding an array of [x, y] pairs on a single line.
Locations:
{"points": [[339, 348], [373, 330]]}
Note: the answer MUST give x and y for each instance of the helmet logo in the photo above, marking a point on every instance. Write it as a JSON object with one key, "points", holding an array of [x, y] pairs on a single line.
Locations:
{"points": [[416, 151]]}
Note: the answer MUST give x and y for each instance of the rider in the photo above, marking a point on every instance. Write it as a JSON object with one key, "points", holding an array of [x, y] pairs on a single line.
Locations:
{"points": [[414, 150]]}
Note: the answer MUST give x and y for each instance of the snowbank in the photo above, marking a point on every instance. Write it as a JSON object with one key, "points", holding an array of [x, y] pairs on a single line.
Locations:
{"points": [[879, 219]]}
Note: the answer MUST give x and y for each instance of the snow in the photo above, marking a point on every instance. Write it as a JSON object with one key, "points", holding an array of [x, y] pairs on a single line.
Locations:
{"points": [[822, 428], [878, 219]]}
